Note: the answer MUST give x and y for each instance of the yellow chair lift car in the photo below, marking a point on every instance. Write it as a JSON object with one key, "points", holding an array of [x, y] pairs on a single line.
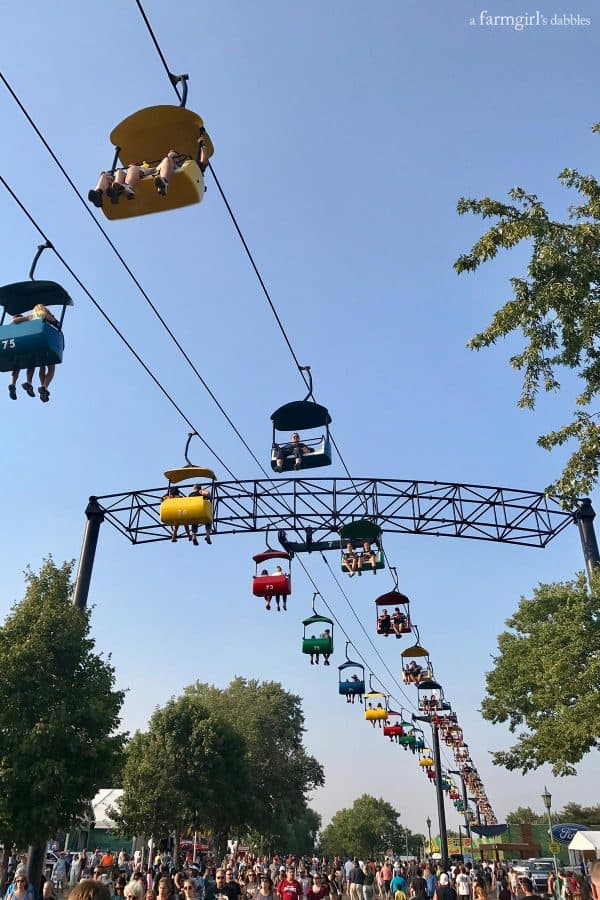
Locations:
{"points": [[376, 706], [180, 510], [144, 139]]}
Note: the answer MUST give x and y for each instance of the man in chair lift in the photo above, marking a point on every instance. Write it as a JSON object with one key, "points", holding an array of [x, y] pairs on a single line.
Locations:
{"points": [[295, 449]]}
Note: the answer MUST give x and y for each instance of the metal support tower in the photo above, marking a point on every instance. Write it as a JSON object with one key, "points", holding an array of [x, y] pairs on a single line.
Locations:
{"points": [[437, 762]]}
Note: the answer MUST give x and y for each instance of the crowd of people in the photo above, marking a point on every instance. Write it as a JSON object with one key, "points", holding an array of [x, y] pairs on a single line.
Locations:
{"points": [[108, 876]]}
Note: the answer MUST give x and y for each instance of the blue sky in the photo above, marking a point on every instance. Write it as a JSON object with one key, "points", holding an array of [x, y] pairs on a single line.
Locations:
{"points": [[344, 134]]}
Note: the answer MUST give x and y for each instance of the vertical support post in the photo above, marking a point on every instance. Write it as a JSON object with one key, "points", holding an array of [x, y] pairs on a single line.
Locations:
{"points": [[36, 856], [466, 805], [95, 517], [440, 796], [477, 810], [584, 517]]}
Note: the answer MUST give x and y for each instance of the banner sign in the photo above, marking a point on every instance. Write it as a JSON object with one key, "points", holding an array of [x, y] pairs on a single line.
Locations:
{"points": [[564, 834]]}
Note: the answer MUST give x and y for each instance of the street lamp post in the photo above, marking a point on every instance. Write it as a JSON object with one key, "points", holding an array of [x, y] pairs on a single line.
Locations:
{"points": [[429, 833], [547, 798]]}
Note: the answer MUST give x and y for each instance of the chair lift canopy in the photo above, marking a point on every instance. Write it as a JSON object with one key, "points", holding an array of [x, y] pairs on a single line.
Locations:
{"points": [[300, 414], [392, 598], [151, 132], [429, 685], [17, 298], [186, 472], [414, 652], [360, 530], [270, 554]]}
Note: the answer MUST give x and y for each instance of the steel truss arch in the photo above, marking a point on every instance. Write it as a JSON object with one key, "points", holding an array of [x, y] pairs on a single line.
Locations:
{"points": [[317, 507]]}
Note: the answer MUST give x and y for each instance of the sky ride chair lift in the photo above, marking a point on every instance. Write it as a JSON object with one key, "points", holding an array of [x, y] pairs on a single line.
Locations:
{"points": [[194, 509], [351, 679], [392, 611], [409, 739], [419, 736], [429, 694], [425, 758], [394, 730], [314, 645], [27, 345], [376, 705], [298, 452], [356, 539], [277, 584], [416, 665], [144, 139]]}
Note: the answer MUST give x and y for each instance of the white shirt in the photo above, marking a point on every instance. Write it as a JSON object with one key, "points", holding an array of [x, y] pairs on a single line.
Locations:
{"points": [[463, 883]]}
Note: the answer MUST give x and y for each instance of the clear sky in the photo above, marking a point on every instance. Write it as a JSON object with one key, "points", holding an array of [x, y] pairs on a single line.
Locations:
{"points": [[344, 134]]}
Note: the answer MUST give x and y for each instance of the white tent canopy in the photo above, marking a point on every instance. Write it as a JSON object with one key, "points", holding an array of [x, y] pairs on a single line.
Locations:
{"points": [[586, 841], [101, 803]]}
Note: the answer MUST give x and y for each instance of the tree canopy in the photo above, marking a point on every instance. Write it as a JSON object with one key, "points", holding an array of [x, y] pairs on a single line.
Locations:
{"points": [[188, 771], [299, 837], [59, 711], [218, 760], [581, 815], [525, 815], [369, 827], [271, 721], [556, 308], [547, 677], [571, 813]]}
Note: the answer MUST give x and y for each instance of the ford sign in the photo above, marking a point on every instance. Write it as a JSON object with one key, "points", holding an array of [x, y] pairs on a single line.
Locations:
{"points": [[564, 834]]}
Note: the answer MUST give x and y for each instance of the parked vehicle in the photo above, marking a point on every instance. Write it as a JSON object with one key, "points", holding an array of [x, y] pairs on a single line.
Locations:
{"points": [[539, 871]]}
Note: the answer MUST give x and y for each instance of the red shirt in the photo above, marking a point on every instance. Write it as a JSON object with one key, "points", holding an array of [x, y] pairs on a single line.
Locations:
{"points": [[323, 891], [290, 890]]}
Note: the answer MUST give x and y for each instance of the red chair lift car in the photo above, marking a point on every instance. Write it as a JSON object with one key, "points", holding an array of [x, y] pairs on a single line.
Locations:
{"points": [[392, 614], [277, 584]]}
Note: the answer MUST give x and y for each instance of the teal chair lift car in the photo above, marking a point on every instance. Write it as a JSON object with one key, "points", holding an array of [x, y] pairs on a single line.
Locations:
{"points": [[27, 345], [351, 678]]}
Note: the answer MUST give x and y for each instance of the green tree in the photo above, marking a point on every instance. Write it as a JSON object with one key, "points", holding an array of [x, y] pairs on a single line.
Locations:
{"points": [[188, 771], [547, 677], [369, 827], [525, 815], [298, 837], [556, 308], [281, 772], [222, 761], [59, 711], [581, 815]]}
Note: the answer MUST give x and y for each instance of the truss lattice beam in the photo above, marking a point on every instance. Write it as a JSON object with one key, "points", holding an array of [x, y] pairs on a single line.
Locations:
{"points": [[477, 512]]}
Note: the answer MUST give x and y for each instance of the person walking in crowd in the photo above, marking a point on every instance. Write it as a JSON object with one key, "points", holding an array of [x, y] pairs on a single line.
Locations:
{"points": [[356, 879], [463, 884], [265, 887], [289, 888], [444, 890], [318, 889]]}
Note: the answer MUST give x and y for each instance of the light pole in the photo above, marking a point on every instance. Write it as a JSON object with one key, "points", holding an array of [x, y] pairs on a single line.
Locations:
{"points": [[429, 832], [547, 798]]}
